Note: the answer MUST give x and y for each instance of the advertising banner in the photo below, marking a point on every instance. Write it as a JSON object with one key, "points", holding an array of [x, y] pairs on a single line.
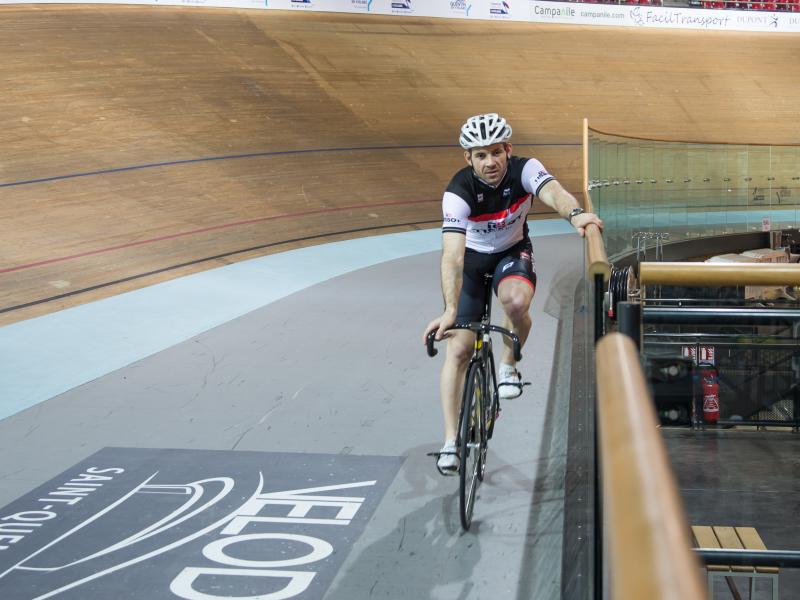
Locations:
{"points": [[532, 11]]}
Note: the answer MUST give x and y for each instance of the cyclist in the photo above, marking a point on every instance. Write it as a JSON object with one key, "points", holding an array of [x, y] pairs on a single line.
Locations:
{"points": [[485, 230]]}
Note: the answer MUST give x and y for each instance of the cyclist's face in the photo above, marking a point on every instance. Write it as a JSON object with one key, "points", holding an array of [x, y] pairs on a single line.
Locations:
{"points": [[489, 162]]}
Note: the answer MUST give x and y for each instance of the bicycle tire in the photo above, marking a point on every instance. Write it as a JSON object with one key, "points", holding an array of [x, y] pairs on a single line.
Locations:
{"points": [[490, 408], [471, 441], [493, 406]]}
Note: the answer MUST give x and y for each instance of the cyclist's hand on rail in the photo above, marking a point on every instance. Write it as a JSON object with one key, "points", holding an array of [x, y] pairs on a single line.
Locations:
{"points": [[439, 325], [580, 222]]}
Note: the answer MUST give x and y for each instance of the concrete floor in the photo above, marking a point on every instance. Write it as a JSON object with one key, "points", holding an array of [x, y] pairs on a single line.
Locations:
{"points": [[742, 479], [336, 369]]}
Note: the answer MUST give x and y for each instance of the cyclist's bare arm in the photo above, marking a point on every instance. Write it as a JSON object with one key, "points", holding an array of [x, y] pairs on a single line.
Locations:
{"points": [[453, 246], [560, 200]]}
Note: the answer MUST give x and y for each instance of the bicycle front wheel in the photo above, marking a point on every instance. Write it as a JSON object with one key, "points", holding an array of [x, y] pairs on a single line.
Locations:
{"points": [[472, 434], [492, 404]]}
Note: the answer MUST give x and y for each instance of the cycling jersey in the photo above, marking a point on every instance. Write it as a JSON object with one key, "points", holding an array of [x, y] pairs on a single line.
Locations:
{"points": [[493, 217]]}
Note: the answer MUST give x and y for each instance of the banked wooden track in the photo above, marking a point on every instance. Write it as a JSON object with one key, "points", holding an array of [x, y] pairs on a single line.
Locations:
{"points": [[139, 139]]}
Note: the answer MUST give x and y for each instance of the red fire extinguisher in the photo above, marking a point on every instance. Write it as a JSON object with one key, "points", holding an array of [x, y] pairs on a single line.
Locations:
{"points": [[710, 394]]}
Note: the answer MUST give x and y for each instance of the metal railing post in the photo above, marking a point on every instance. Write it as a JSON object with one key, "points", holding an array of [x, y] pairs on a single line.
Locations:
{"points": [[599, 291]]}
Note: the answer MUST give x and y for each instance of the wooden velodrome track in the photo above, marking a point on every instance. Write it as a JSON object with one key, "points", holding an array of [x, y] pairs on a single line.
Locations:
{"points": [[144, 143]]}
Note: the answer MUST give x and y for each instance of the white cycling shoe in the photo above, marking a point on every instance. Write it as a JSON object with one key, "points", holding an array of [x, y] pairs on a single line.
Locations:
{"points": [[448, 459], [509, 382]]}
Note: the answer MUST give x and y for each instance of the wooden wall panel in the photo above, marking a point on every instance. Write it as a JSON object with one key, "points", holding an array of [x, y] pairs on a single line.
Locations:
{"points": [[95, 89]]}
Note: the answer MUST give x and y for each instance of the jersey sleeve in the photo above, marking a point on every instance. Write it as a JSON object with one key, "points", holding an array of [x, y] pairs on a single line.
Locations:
{"points": [[534, 176], [456, 213]]}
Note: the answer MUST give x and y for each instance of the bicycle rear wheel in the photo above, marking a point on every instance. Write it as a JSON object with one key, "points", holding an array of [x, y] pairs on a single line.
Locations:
{"points": [[472, 439]]}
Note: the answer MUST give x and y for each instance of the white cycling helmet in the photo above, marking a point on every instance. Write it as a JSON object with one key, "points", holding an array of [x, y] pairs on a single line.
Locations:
{"points": [[484, 130]]}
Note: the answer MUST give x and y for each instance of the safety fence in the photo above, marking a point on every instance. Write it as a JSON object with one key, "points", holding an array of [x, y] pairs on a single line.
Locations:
{"points": [[638, 514], [642, 545]]}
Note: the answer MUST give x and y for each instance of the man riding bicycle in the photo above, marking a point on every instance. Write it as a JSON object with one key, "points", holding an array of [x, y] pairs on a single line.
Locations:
{"points": [[485, 230]]}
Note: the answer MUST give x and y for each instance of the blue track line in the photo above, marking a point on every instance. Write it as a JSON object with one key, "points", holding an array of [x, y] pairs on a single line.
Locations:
{"points": [[190, 161]]}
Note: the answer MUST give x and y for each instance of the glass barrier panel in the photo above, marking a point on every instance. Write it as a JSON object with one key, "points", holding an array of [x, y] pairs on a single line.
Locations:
{"points": [[690, 189]]}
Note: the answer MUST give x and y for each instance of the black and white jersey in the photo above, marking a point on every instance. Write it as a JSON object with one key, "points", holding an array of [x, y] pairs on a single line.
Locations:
{"points": [[493, 218]]}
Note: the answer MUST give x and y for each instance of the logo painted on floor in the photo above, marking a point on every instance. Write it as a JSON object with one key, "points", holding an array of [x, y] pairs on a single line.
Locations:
{"points": [[194, 524]]}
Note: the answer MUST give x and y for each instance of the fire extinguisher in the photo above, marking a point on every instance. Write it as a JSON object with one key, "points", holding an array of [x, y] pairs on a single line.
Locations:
{"points": [[710, 394]]}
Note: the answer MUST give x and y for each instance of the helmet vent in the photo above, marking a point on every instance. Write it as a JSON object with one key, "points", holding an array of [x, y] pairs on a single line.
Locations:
{"points": [[484, 130]]}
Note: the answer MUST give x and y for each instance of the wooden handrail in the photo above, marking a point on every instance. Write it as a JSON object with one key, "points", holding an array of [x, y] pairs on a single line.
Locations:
{"points": [[596, 253], [717, 274], [647, 529], [595, 247]]}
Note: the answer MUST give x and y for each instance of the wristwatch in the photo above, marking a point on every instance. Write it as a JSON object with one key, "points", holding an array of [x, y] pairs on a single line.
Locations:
{"points": [[574, 213]]}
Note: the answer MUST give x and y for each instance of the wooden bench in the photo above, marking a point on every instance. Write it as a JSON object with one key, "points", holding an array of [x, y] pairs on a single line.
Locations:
{"points": [[734, 538]]}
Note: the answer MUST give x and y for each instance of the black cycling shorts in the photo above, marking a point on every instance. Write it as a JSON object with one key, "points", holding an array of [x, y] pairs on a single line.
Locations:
{"points": [[517, 261]]}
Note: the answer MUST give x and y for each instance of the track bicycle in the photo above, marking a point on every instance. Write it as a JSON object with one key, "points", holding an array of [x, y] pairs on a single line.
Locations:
{"points": [[480, 404]]}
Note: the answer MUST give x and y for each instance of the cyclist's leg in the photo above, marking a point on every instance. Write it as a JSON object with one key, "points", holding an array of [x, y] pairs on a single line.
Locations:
{"points": [[515, 285], [516, 297], [515, 294], [515, 280], [459, 350]]}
